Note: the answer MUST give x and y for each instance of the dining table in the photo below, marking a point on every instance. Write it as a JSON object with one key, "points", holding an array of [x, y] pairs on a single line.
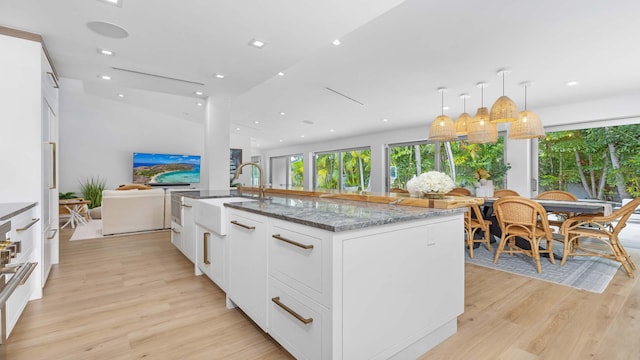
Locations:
{"points": [[580, 207]]}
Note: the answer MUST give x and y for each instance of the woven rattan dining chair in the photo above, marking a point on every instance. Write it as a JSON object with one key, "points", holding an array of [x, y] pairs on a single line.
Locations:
{"points": [[459, 191], [504, 192], [473, 222], [523, 218], [558, 195], [601, 228]]}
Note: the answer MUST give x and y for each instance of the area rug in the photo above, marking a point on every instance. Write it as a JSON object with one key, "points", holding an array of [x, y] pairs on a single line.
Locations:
{"points": [[588, 273], [93, 230]]}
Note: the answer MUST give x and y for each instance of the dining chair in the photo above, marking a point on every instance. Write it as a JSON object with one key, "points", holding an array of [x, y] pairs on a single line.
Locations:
{"points": [[504, 192], [459, 191], [519, 217], [603, 228], [473, 222], [560, 216]]}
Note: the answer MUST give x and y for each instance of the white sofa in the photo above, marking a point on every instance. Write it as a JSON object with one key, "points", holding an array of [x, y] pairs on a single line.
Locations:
{"points": [[126, 211]]}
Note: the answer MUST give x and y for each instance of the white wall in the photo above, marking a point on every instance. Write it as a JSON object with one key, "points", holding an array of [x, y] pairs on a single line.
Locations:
{"points": [[98, 137]]}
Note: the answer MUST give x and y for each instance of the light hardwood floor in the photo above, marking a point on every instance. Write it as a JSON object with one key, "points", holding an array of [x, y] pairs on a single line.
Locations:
{"points": [[136, 297]]}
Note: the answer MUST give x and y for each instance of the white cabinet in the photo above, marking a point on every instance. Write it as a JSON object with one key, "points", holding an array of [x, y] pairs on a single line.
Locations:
{"points": [[211, 254], [188, 230], [247, 285], [176, 235], [29, 109]]}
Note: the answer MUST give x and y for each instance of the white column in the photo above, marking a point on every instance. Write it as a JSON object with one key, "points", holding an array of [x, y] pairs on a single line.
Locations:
{"points": [[216, 144]]}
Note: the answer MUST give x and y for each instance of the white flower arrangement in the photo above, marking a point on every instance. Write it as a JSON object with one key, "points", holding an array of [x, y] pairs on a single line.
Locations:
{"points": [[433, 182]]}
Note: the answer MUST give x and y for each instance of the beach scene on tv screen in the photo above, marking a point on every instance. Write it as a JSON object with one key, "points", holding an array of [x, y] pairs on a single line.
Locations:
{"points": [[165, 168]]}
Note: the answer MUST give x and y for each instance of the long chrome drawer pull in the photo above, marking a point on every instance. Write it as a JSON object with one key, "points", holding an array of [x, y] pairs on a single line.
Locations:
{"points": [[33, 221], [11, 285], [175, 231], [234, 222], [32, 266], [55, 231], [293, 313], [187, 206], [205, 250], [295, 243]]}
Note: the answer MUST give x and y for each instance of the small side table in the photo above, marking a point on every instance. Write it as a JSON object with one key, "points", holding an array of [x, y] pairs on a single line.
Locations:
{"points": [[78, 211]]}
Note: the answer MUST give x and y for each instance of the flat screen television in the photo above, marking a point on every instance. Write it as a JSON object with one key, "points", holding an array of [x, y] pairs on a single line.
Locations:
{"points": [[169, 169]]}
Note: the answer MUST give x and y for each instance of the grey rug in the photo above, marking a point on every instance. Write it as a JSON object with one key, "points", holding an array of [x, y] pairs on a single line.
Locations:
{"points": [[582, 272]]}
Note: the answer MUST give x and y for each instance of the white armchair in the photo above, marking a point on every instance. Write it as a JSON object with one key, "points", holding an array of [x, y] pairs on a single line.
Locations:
{"points": [[126, 211]]}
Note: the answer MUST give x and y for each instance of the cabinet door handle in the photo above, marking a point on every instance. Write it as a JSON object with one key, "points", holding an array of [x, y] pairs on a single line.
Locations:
{"points": [[205, 250], [290, 311], [234, 222], [53, 79], [53, 166], [55, 231], [33, 221], [187, 206], [294, 243], [32, 266], [175, 231]]}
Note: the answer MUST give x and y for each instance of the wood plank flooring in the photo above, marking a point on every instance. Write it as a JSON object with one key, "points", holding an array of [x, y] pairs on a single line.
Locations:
{"points": [[135, 297]]}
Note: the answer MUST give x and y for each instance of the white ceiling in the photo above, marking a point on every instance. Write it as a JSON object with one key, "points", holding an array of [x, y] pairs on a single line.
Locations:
{"points": [[394, 55]]}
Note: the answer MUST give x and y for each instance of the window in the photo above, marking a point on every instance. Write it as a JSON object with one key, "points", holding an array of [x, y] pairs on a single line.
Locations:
{"points": [[597, 163], [411, 159], [287, 172], [344, 170]]}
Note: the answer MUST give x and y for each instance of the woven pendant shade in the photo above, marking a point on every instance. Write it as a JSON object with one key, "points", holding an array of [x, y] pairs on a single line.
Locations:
{"points": [[481, 130], [462, 124], [528, 126], [442, 129], [503, 110]]}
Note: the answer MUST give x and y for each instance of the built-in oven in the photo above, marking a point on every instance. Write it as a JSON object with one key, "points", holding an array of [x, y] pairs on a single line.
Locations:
{"points": [[176, 208]]}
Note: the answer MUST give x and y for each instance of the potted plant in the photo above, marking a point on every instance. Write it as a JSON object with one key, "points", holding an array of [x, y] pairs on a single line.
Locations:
{"points": [[67, 195], [91, 190]]}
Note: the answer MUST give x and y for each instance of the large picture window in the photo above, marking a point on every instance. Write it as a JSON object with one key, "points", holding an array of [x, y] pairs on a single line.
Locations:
{"points": [[597, 163], [343, 170], [471, 162]]}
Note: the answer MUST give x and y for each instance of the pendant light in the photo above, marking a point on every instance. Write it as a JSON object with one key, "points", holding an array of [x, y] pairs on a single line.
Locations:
{"points": [[442, 128], [504, 109], [462, 123], [528, 125], [481, 130]]}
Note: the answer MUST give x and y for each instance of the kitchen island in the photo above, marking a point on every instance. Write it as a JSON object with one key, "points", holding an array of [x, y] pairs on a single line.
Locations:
{"points": [[340, 279]]}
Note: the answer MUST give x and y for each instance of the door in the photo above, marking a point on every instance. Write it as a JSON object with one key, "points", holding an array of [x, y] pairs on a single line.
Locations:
{"points": [[50, 244]]}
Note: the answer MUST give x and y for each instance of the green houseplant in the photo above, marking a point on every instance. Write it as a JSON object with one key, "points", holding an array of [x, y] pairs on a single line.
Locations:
{"points": [[91, 190], [67, 195]]}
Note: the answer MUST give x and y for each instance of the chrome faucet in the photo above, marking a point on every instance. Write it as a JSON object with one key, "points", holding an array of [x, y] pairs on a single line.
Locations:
{"points": [[261, 183]]}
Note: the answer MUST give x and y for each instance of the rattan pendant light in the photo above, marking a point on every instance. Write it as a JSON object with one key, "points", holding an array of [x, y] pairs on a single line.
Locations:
{"points": [[504, 109], [528, 125], [442, 128], [481, 130], [462, 123]]}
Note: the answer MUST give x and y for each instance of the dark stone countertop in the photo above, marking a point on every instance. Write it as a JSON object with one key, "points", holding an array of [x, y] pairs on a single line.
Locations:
{"points": [[338, 215], [9, 210]]}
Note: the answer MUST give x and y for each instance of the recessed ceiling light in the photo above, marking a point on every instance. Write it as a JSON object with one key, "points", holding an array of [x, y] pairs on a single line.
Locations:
{"points": [[331, 130], [572, 83], [219, 76], [280, 73], [336, 42], [301, 136], [256, 122], [281, 140], [282, 113], [238, 128], [121, 95], [257, 43], [199, 93], [104, 77], [113, 2], [106, 52], [445, 108], [199, 103], [385, 120]]}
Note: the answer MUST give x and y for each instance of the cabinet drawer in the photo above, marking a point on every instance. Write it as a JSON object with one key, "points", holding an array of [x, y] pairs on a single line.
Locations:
{"points": [[288, 312], [24, 229], [18, 301], [296, 259]]}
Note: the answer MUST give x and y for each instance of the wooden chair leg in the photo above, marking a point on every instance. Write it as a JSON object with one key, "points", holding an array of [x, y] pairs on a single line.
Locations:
{"points": [[503, 241], [487, 239]]}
